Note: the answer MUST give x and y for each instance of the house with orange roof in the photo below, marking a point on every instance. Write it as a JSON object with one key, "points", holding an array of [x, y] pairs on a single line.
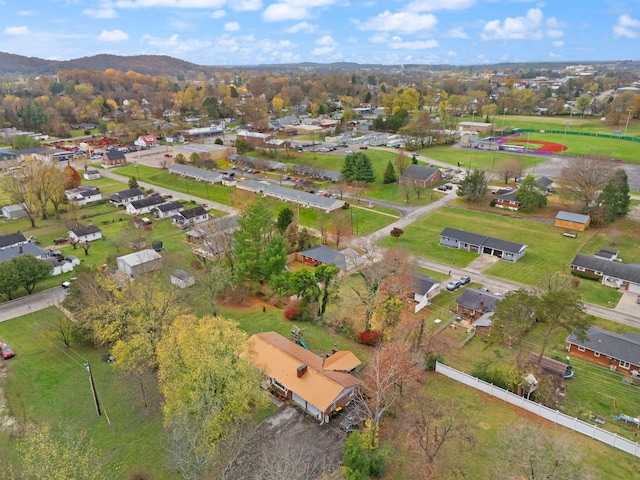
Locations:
{"points": [[320, 386]]}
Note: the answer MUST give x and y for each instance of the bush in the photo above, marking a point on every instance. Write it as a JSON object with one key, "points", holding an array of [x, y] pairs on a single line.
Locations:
{"points": [[370, 337], [588, 276], [432, 358], [292, 310]]}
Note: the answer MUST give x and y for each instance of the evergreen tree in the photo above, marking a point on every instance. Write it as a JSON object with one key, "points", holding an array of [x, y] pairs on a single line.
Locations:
{"points": [[529, 195], [614, 197], [474, 186], [133, 183], [285, 217], [390, 174], [357, 167]]}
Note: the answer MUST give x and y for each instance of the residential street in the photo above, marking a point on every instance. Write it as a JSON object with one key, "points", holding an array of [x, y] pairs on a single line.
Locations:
{"points": [[31, 303]]}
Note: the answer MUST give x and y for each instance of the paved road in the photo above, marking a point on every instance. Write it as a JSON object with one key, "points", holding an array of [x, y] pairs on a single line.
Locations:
{"points": [[31, 303]]}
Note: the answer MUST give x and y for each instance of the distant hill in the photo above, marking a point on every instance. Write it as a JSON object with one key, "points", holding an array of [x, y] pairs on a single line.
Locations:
{"points": [[11, 64]]}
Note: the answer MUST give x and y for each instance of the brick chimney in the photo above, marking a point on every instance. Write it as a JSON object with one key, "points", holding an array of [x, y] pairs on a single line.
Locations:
{"points": [[481, 307], [302, 369], [20, 250]]}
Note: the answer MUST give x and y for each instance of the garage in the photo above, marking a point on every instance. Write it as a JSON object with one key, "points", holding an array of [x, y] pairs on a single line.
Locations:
{"points": [[634, 288]]}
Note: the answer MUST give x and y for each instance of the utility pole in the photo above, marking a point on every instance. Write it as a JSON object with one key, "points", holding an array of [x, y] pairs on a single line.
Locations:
{"points": [[93, 389], [627, 125]]}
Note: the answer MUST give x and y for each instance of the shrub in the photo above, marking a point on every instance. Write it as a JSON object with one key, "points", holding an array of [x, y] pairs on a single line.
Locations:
{"points": [[432, 358], [588, 276], [370, 337], [292, 310]]}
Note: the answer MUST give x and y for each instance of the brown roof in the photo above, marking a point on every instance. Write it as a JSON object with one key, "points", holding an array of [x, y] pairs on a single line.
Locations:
{"points": [[549, 364], [341, 361], [279, 358]]}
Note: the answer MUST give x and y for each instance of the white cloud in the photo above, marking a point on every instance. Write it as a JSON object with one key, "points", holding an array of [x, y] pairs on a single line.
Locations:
{"points": [[174, 42], [27, 13], [554, 55], [170, 3], [325, 46], [451, 53], [433, 5], [302, 27], [558, 43], [246, 5], [401, 22], [112, 36], [232, 26], [293, 9], [106, 12], [624, 27], [16, 30], [398, 44], [218, 14], [533, 26], [457, 33]]}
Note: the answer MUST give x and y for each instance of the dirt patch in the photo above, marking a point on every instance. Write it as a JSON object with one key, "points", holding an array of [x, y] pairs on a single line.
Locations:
{"points": [[7, 422], [634, 213], [482, 263], [291, 444]]}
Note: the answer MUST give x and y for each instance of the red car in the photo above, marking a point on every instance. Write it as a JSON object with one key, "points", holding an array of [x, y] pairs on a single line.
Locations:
{"points": [[168, 155], [6, 350]]}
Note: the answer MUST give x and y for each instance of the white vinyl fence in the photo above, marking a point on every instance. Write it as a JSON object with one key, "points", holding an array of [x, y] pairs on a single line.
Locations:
{"points": [[545, 412]]}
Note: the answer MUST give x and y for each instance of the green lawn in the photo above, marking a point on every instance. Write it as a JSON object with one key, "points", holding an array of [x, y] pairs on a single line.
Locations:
{"points": [[47, 382]]}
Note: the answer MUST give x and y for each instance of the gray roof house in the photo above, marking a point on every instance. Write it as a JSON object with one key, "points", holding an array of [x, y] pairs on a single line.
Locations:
{"points": [[195, 173], [424, 288], [144, 205], [420, 175], [12, 239], [544, 183], [284, 194], [139, 263], [475, 302], [607, 348], [476, 243], [167, 210], [85, 233], [124, 197], [345, 259], [28, 248], [191, 217], [611, 273]]}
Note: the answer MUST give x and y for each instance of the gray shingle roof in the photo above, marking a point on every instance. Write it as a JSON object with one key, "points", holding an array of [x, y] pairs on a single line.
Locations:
{"points": [[168, 207], [295, 196], [423, 283], [419, 172], [192, 212], [474, 299], [147, 202], [482, 240], [609, 268], [622, 347], [27, 249], [124, 194], [197, 173], [86, 230], [114, 155], [12, 239], [344, 259]]}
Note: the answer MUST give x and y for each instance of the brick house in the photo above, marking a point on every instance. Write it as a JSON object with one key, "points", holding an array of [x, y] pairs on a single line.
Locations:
{"points": [[612, 350], [420, 176]]}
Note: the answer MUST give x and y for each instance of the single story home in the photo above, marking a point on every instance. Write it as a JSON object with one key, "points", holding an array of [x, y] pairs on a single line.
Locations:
{"points": [[13, 251], [196, 173], [91, 174], [613, 350], [474, 302], [84, 194], [182, 278], [85, 233], [190, 217], [572, 221], [113, 158], [13, 212], [476, 243], [611, 273], [300, 376], [297, 197], [12, 240], [167, 210], [139, 263], [124, 197], [480, 127], [144, 205], [420, 176], [346, 259], [423, 289], [508, 200]]}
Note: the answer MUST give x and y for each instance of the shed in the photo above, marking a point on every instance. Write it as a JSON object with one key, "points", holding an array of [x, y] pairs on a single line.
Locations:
{"points": [[572, 221], [182, 278], [139, 263], [13, 212], [549, 364]]}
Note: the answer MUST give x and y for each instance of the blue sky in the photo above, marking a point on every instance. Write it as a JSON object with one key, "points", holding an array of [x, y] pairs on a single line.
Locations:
{"points": [[250, 32]]}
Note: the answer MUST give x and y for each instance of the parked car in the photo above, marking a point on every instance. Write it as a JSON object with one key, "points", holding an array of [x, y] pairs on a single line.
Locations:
{"points": [[7, 352], [168, 155], [453, 285], [442, 188], [363, 147], [464, 280]]}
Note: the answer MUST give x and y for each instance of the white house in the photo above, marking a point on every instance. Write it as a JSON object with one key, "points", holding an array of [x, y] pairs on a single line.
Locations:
{"points": [[125, 197], [145, 205], [13, 212], [167, 210], [190, 217], [92, 174], [146, 141], [84, 194], [86, 233]]}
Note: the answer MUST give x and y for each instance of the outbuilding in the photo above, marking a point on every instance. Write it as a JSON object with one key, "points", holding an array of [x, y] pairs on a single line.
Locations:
{"points": [[139, 263], [572, 221]]}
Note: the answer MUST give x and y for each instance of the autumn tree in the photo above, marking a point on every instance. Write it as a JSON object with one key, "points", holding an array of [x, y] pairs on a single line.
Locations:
{"points": [[71, 178], [59, 454], [511, 168], [208, 389], [340, 227], [401, 162], [418, 133], [584, 177]]}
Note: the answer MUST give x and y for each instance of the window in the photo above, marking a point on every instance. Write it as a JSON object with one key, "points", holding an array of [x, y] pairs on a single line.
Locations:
{"points": [[624, 364], [580, 348], [580, 269], [596, 354]]}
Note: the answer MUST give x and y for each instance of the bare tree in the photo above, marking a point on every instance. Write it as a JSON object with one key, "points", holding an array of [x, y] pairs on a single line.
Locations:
{"points": [[438, 423], [64, 328], [584, 177], [511, 168], [341, 227]]}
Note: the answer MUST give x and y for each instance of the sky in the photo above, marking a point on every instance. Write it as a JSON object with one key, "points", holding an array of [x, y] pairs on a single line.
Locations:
{"points": [[391, 32]]}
